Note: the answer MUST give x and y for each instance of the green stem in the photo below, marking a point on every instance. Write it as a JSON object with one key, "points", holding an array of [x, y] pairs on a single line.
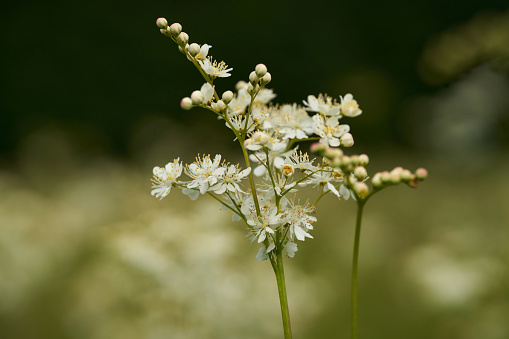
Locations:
{"points": [[281, 287], [360, 207]]}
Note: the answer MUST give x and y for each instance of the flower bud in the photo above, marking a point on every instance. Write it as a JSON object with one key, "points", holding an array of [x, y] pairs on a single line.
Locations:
{"points": [[336, 162], [377, 180], [197, 97], [318, 148], [165, 32], [162, 23], [360, 173], [260, 70], [385, 176], [253, 78], [355, 160], [194, 49], [186, 103], [332, 153], [363, 160], [227, 97], [406, 175], [346, 140], [395, 177], [361, 189], [265, 79], [421, 173], [249, 88], [175, 29], [220, 105], [287, 170], [182, 38]]}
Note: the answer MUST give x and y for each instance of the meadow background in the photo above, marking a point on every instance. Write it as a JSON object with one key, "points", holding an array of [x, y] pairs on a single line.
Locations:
{"points": [[89, 103]]}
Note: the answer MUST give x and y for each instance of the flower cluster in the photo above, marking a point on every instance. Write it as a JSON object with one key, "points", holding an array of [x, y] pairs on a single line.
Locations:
{"points": [[268, 135]]}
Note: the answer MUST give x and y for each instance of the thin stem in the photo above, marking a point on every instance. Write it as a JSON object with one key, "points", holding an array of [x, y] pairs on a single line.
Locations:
{"points": [[281, 287], [360, 207]]}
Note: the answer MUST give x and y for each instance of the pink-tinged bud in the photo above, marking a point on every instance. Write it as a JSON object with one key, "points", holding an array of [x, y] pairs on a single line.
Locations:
{"points": [[385, 176], [333, 153], [406, 175], [377, 180], [360, 173], [355, 160], [182, 38], [197, 97], [395, 177], [175, 29], [361, 189], [162, 23], [318, 148], [227, 97], [363, 160], [266, 79], [336, 162], [260, 70], [346, 161], [421, 173], [346, 140], [186, 103]]}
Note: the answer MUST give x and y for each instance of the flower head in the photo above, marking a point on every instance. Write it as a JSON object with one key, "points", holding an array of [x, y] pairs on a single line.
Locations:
{"points": [[215, 69], [166, 178]]}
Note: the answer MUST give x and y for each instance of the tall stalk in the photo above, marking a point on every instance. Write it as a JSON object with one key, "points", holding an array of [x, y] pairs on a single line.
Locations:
{"points": [[277, 265], [360, 207]]}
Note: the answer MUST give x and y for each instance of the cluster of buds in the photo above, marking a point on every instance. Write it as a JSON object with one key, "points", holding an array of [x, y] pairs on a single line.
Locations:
{"points": [[353, 168], [398, 175], [258, 78]]}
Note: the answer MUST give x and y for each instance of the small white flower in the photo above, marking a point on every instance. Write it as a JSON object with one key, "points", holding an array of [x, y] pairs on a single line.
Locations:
{"points": [[262, 224], [215, 69], [329, 130], [323, 178], [166, 178], [299, 221], [323, 104], [263, 252], [290, 248], [229, 179], [208, 92], [301, 161], [204, 172], [349, 106]]}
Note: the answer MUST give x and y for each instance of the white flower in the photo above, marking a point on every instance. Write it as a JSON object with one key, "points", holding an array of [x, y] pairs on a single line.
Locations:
{"points": [[263, 252], [166, 178], [292, 121], [208, 92], [301, 161], [193, 194], [349, 106], [323, 104], [262, 224], [204, 50], [290, 248], [299, 221], [324, 178], [215, 69], [228, 180], [329, 130], [276, 156], [204, 172]]}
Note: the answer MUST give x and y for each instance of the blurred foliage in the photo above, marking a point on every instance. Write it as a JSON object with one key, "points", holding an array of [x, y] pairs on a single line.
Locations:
{"points": [[89, 104]]}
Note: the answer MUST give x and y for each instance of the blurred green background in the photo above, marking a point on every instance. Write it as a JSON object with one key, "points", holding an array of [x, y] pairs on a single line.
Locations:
{"points": [[89, 103]]}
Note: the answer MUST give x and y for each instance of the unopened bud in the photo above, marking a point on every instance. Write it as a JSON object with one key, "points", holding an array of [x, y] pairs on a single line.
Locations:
{"points": [[265, 79], [194, 49], [363, 160], [175, 29], [197, 97], [421, 173], [332, 153], [249, 88], [318, 148], [346, 140], [385, 176], [260, 70], [287, 170], [227, 97], [360, 173], [186, 103], [162, 23], [253, 78], [355, 160], [165, 32], [361, 189], [406, 175], [345, 161], [377, 180], [336, 162], [395, 177], [182, 38]]}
